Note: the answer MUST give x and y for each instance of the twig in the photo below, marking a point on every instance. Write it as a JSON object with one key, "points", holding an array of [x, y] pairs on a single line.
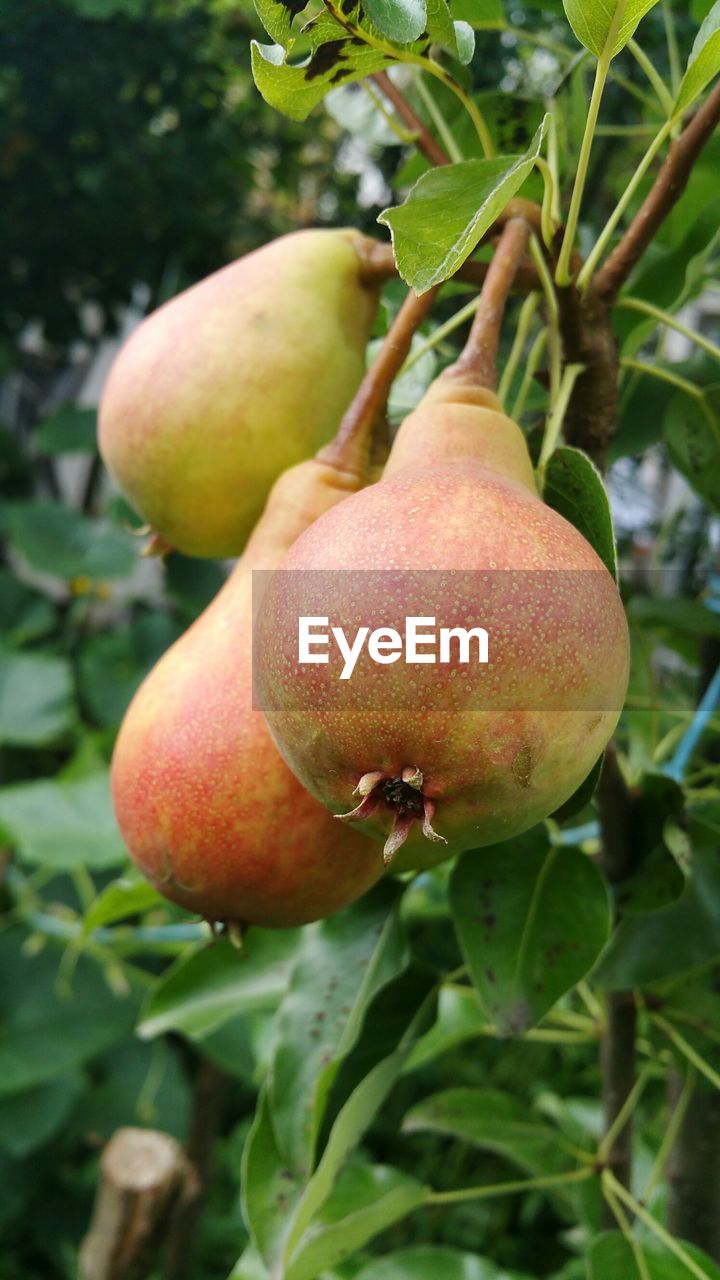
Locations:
{"points": [[618, 1045], [208, 1103], [479, 357], [424, 140], [667, 189], [143, 1176], [348, 450]]}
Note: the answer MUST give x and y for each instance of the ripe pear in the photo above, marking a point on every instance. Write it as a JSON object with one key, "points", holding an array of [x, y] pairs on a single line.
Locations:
{"points": [[209, 811], [233, 381], [445, 757]]}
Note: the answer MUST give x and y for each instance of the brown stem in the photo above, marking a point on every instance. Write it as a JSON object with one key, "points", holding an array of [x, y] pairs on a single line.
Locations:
{"points": [[378, 265], [618, 1051], [479, 358], [667, 189], [589, 340], [694, 1173], [208, 1103], [425, 141], [348, 451]]}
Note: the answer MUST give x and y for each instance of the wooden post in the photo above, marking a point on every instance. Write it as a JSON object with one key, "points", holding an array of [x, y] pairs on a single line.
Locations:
{"points": [[143, 1176]]}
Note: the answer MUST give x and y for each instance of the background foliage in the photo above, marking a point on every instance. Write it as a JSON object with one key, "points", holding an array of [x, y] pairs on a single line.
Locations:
{"points": [[409, 1033]]}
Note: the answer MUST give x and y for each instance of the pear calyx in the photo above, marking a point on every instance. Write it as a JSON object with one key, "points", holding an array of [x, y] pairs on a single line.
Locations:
{"points": [[403, 795]]}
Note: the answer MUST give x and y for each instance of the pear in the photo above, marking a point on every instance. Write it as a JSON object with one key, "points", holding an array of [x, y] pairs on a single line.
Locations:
{"points": [[233, 381], [209, 811], [435, 759]]}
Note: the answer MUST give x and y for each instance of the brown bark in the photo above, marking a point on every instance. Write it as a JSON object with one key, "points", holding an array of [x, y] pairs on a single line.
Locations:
{"points": [[143, 1176]]}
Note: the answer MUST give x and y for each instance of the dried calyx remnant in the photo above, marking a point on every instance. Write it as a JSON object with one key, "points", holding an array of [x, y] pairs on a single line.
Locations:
{"points": [[401, 794]]}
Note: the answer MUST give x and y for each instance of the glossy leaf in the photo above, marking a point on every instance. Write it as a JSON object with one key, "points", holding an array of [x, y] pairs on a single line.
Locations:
{"points": [[459, 1019], [341, 964], [481, 14], [611, 1255], [704, 61], [69, 430], [401, 21], [574, 488], [434, 1262], [55, 540], [592, 21], [449, 210], [63, 824], [366, 1200], [270, 1190], [36, 698], [202, 992], [122, 898], [531, 919], [693, 439], [495, 1121], [335, 58]]}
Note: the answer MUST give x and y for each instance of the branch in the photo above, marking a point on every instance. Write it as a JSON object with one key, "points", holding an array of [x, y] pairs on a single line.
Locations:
{"points": [[618, 1045], [425, 141], [667, 189], [210, 1089], [378, 263], [349, 449], [479, 358]]}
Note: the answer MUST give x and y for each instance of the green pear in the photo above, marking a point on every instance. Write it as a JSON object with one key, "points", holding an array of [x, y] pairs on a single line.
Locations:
{"points": [[233, 381]]}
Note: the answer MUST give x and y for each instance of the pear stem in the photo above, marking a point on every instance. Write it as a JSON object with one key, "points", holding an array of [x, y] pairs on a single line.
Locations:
{"points": [[349, 449], [478, 361]]}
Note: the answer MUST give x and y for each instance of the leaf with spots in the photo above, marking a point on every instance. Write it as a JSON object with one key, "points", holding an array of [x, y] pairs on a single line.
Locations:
{"points": [[574, 489], [532, 920], [342, 50], [342, 964]]}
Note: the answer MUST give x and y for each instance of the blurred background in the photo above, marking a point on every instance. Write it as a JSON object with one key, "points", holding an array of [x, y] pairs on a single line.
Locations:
{"points": [[135, 158]]}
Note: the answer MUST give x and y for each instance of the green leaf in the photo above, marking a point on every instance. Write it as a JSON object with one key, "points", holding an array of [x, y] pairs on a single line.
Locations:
{"points": [[574, 488], [36, 698], [366, 1200], [202, 992], [69, 430], [459, 1019], [686, 935], [435, 1262], [496, 1122], [481, 14], [270, 1190], [531, 920], [353, 1120], [335, 59], [342, 963], [611, 1255], [124, 897], [693, 439], [592, 20], [112, 665], [26, 614], [703, 63], [53, 539], [277, 17], [47, 1035], [449, 210], [401, 21], [30, 1118], [62, 825], [676, 614]]}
